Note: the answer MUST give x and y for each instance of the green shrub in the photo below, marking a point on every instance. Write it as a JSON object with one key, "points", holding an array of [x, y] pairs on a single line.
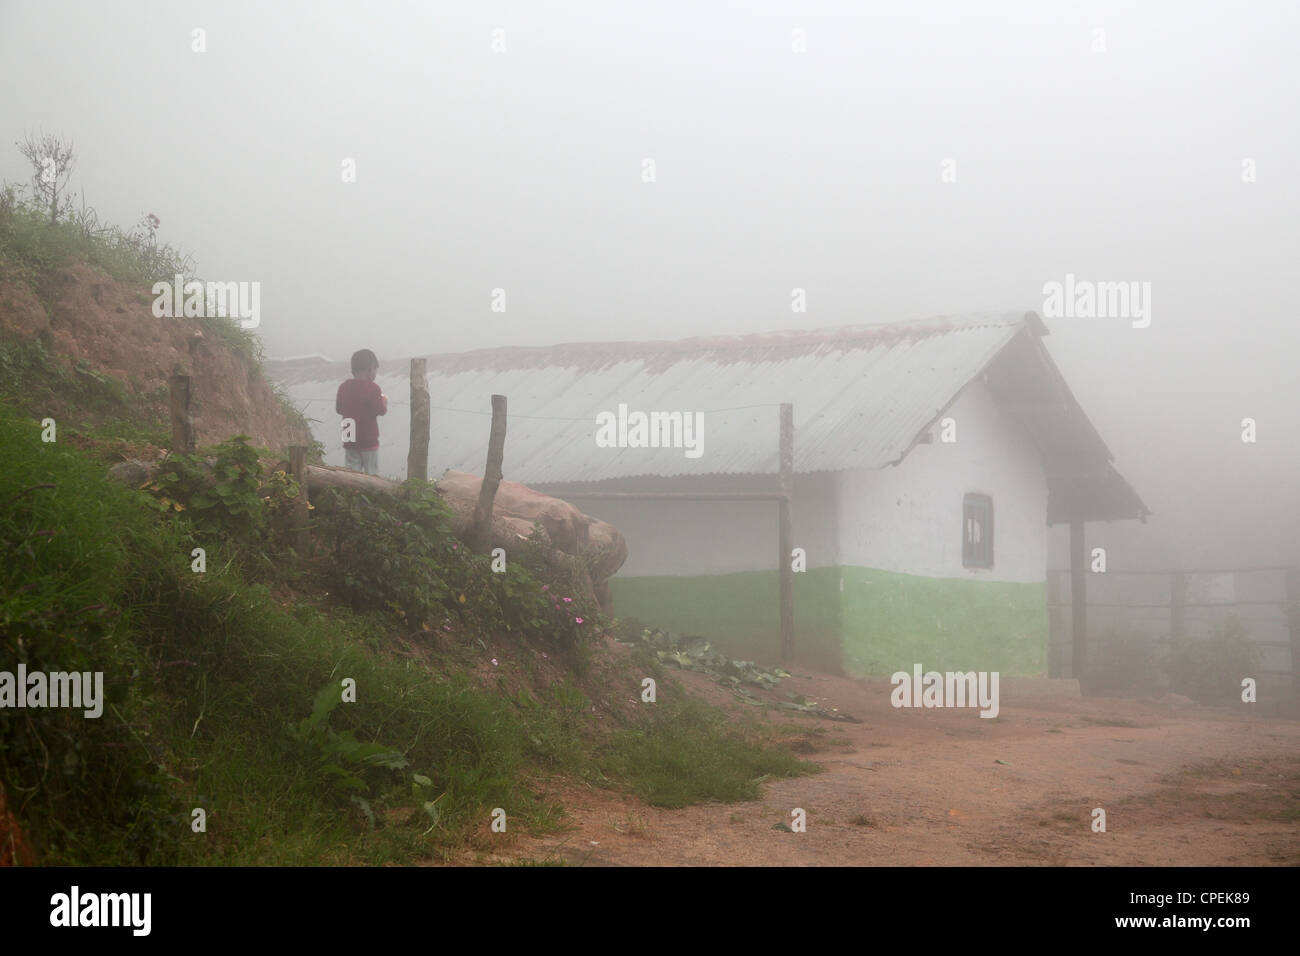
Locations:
{"points": [[387, 553], [1130, 665], [221, 498], [1210, 669], [399, 554]]}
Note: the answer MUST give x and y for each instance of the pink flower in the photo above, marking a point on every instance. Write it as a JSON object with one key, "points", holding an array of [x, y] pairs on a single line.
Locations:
{"points": [[568, 600], [494, 662], [546, 587], [578, 620]]}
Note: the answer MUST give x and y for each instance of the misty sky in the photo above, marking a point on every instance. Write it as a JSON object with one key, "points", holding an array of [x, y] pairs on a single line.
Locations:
{"points": [[775, 169]]}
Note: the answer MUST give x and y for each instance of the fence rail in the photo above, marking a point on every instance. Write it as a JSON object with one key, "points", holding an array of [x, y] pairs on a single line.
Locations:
{"points": [[1196, 600]]}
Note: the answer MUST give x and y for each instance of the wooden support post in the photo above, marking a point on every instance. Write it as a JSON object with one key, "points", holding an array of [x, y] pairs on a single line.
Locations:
{"points": [[1054, 628], [182, 415], [301, 536], [482, 538], [1292, 609], [1078, 607], [417, 459], [785, 534]]}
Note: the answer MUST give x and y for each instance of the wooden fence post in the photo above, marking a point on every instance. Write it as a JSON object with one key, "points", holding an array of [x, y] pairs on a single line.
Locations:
{"points": [[417, 458], [1177, 613], [301, 536], [1292, 608], [785, 532], [1054, 626], [182, 415], [1078, 606], [482, 535]]}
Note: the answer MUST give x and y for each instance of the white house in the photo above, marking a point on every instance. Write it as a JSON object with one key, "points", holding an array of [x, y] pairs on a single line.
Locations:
{"points": [[928, 460]]}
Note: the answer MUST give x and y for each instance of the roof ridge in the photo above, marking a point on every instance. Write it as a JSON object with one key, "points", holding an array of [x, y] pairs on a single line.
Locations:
{"points": [[825, 336], [779, 338]]}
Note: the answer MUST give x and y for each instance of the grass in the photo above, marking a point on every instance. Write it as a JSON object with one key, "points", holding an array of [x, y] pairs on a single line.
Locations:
{"points": [[35, 246], [29, 372], [818, 740], [32, 249], [210, 678], [637, 826], [546, 861], [687, 754], [1108, 722]]}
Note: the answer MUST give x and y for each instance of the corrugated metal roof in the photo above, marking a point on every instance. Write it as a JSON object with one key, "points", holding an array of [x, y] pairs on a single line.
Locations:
{"points": [[861, 396]]}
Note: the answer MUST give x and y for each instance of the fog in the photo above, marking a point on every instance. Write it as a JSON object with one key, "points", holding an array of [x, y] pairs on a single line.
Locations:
{"points": [[794, 145]]}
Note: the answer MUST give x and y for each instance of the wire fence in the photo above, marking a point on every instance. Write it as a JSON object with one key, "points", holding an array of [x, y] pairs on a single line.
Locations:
{"points": [[1139, 620], [546, 418]]}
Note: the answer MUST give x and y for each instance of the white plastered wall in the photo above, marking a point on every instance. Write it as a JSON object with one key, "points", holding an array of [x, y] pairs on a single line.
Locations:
{"points": [[908, 518]]}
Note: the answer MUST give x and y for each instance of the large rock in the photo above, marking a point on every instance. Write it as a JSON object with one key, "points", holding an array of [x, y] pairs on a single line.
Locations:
{"points": [[133, 471], [517, 509]]}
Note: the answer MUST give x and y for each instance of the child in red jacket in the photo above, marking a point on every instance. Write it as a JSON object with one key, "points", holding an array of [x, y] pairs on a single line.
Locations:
{"points": [[360, 401]]}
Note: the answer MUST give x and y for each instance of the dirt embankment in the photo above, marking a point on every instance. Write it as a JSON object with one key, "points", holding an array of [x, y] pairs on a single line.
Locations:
{"points": [[82, 315]]}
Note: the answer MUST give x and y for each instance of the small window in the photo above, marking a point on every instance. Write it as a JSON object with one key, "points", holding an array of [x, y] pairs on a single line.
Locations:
{"points": [[977, 532]]}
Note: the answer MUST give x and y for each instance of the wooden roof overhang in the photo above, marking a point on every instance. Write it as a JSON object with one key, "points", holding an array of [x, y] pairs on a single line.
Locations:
{"points": [[1082, 482]]}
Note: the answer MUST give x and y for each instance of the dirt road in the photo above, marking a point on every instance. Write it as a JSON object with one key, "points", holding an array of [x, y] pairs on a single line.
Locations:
{"points": [[1180, 785]]}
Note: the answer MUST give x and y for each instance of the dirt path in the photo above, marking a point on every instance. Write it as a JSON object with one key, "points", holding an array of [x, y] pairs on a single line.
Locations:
{"points": [[1180, 786]]}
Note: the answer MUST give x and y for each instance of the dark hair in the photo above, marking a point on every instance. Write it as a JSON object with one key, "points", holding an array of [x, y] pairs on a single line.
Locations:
{"points": [[363, 361]]}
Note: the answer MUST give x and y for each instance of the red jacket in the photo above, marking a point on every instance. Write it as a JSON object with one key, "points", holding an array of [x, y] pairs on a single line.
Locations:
{"points": [[363, 401]]}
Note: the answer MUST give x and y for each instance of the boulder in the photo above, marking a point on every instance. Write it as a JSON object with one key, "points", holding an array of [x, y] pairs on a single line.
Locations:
{"points": [[133, 471], [517, 509]]}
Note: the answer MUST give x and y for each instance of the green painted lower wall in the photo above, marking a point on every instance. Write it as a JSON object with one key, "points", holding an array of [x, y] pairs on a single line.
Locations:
{"points": [[739, 612], [892, 621], [880, 623]]}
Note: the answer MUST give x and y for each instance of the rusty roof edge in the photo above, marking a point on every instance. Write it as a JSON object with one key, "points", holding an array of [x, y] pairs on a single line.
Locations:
{"points": [[578, 354], [991, 335]]}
